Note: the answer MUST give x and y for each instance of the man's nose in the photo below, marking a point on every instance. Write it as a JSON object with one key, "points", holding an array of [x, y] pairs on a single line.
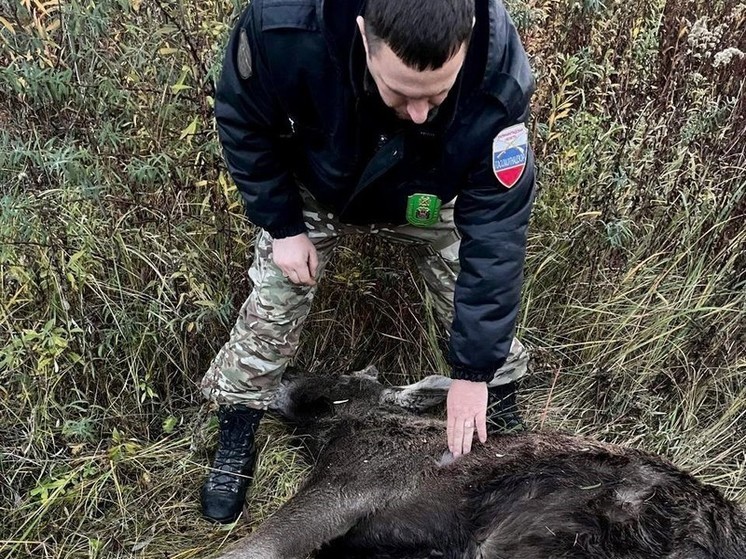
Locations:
{"points": [[417, 110]]}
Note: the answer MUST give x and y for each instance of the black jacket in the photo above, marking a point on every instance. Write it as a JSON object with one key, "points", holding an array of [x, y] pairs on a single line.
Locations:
{"points": [[306, 113]]}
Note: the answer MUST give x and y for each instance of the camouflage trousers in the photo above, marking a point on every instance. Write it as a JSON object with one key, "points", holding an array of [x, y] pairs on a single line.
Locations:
{"points": [[248, 368]]}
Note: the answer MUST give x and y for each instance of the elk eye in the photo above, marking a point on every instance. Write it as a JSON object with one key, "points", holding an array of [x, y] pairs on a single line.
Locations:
{"points": [[337, 402], [316, 406]]}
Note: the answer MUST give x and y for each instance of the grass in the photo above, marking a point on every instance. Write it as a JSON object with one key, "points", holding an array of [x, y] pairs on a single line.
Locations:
{"points": [[123, 259]]}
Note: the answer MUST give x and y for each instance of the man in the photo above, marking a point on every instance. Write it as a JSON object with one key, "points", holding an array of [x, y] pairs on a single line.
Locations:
{"points": [[402, 118]]}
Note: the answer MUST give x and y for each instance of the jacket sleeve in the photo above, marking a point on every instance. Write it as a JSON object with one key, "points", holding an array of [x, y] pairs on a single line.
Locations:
{"points": [[251, 123], [493, 222]]}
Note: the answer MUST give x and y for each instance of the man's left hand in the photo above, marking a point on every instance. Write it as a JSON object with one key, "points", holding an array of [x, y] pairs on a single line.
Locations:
{"points": [[467, 409]]}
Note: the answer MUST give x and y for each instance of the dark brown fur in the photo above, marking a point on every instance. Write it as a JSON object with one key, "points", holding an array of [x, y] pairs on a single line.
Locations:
{"points": [[383, 487]]}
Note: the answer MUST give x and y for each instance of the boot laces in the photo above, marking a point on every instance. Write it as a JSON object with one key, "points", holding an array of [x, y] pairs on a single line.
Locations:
{"points": [[502, 412], [502, 401], [235, 455]]}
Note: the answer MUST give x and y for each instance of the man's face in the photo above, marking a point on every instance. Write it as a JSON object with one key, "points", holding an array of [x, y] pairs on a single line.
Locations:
{"points": [[410, 93]]}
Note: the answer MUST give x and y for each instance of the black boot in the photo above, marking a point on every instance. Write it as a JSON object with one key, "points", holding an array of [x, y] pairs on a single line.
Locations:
{"points": [[502, 411], [224, 490]]}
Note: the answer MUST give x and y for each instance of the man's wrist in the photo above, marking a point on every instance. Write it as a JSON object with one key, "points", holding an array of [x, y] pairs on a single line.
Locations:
{"points": [[287, 231], [461, 372]]}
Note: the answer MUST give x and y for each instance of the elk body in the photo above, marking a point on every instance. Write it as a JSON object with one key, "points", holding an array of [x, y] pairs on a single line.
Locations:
{"points": [[382, 487]]}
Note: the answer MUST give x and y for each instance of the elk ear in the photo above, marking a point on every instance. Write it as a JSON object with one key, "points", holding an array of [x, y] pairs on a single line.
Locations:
{"points": [[427, 393], [370, 373], [282, 403]]}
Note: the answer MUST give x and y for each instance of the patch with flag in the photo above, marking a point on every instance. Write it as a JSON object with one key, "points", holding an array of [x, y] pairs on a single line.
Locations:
{"points": [[509, 154]]}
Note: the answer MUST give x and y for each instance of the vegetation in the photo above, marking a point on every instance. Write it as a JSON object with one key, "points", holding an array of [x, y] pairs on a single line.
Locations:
{"points": [[123, 258]]}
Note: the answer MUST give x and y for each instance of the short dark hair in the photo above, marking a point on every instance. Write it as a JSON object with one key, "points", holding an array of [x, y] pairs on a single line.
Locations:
{"points": [[424, 34]]}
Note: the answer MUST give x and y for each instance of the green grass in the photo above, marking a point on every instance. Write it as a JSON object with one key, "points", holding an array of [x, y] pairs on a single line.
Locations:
{"points": [[123, 259]]}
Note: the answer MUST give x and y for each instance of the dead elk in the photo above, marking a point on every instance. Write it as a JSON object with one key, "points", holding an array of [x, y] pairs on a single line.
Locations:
{"points": [[382, 488]]}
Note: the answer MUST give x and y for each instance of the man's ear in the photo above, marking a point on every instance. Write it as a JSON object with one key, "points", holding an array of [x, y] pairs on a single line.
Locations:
{"points": [[361, 27]]}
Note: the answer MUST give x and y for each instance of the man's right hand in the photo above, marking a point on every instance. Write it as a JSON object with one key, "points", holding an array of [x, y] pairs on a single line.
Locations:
{"points": [[296, 257]]}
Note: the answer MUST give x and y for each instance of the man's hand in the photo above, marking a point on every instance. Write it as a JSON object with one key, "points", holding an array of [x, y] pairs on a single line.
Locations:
{"points": [[467, 408], [296, 257]]}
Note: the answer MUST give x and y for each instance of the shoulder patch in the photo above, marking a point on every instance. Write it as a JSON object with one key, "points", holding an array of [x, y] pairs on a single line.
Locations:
{"points": [[509, 154], [244, 56]]}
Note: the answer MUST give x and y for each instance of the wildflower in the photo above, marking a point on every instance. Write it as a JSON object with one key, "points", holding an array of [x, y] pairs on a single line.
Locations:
{"points": [[724, 57]]}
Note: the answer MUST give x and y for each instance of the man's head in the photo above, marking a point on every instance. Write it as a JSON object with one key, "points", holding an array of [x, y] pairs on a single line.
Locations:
{"points": [[414, 50]]}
